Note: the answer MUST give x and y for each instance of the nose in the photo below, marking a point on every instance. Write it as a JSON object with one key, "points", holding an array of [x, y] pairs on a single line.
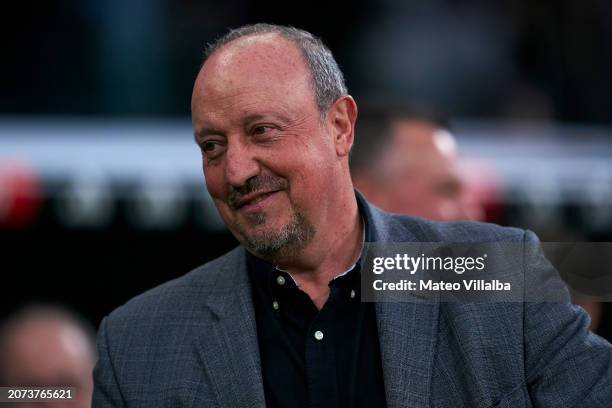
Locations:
{"points": [[241, 164]]}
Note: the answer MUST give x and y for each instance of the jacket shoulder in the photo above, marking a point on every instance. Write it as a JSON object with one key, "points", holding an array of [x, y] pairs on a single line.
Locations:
{"points": [[455, 231]]}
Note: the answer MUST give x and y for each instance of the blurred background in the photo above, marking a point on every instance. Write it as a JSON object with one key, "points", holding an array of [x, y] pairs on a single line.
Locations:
{"points": [[101, 189]]}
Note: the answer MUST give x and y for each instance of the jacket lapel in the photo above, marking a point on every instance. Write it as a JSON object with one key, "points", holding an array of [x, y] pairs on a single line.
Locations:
{"points": [[229, 348], [407, 333]]}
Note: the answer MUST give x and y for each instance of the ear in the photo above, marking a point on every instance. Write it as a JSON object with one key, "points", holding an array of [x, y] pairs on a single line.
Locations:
{"points": [[342, 116]]}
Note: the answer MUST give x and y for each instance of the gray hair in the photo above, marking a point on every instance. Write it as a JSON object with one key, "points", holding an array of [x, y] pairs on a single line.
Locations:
{"points": [[328, 81]]}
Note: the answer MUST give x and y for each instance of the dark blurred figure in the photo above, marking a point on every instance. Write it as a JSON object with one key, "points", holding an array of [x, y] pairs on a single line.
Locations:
{"points": [[48, 346], [405, 161]]}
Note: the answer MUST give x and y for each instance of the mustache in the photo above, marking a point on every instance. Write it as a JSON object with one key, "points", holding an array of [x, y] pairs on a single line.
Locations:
{"points": [[255, 184]]}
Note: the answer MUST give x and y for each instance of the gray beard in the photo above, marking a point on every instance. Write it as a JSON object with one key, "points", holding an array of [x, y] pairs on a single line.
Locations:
{"points": [[280, 245]]}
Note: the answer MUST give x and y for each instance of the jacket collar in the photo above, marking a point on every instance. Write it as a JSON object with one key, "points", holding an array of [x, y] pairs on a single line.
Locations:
{"points": [[407, 332]]}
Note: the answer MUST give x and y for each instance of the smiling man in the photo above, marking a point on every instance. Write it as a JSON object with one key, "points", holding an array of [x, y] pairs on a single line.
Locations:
{"points": [[276, 156], [278, 321]]}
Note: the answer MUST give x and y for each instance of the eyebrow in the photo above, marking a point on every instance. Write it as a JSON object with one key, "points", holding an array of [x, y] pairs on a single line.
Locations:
{"points": [[258, 116]]}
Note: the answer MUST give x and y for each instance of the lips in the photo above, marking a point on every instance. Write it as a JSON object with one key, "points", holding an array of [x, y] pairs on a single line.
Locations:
{"points": [[254, 198]]}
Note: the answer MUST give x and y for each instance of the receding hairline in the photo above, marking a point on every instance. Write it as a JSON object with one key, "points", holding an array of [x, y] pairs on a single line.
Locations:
{"points": [[326, 77], [251, 36], [257, 30], [235, 44]]}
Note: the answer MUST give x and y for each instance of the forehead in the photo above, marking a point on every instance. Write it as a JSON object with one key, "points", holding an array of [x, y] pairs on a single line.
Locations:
{"points": [[251, 74], [268, 55]]}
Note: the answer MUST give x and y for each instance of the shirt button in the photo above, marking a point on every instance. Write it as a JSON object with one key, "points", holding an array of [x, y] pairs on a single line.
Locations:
{"points": [[275, 305], [352, 293], [280, 280], [318, 335]]}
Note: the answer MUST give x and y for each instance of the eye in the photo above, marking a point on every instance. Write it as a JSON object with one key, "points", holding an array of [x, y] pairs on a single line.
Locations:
{"points": [[261, 129], [209, 146]]}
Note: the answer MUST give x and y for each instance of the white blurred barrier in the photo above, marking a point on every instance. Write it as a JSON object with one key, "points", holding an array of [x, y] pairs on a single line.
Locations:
{"points": [[155, 167]]}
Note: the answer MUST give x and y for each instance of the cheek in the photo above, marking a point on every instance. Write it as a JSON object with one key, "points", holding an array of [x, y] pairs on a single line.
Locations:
{"points": [[214, 183], [312, 182]]}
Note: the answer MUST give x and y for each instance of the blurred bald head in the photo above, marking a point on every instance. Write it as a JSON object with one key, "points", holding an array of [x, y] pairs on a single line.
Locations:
{"points": [[405, 161], [48, 346]]}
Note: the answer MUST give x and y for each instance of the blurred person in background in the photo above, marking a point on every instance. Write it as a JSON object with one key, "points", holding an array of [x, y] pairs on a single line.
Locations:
{"points": [[48, 346], [405, 161]]}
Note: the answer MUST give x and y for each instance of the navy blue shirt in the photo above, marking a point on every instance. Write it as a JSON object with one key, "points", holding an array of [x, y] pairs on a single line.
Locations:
{"points": [[316, 358]]}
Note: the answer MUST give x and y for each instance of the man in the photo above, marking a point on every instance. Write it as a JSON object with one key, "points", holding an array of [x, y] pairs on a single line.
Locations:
{"points": [[278, 321], [46, 346], [406, 162]]}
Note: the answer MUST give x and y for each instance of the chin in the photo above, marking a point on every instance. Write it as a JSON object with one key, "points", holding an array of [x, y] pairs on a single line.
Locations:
{"points": [[255, 229], [266, 229]]}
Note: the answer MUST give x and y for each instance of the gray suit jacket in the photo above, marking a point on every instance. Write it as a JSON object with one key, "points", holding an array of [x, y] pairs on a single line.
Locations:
{"points": [[192, 342]]}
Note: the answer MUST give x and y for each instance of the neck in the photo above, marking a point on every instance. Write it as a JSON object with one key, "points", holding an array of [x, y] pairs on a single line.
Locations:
{"points": [[334, 249]]}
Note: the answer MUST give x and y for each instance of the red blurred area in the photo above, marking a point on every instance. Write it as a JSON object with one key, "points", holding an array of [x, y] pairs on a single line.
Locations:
{"points": [[20, 195]]}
